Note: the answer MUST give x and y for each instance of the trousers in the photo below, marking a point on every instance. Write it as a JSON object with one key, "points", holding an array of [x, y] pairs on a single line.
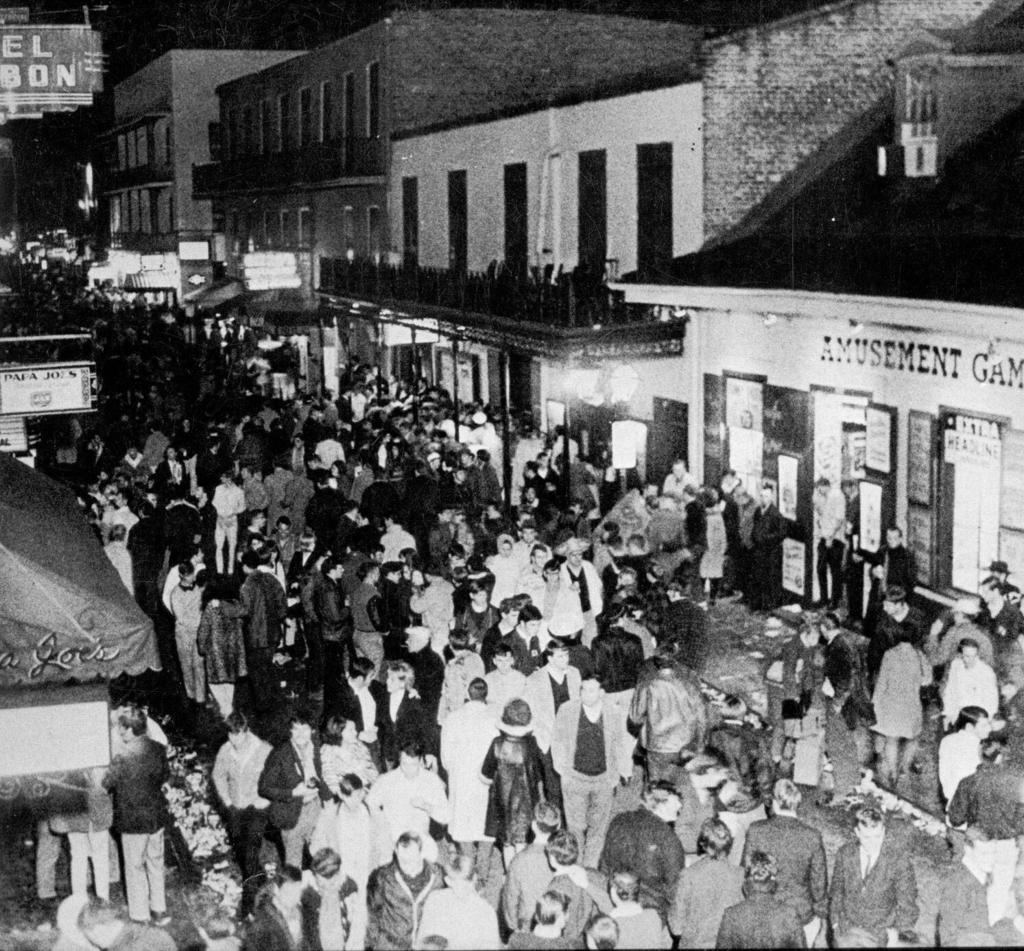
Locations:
{"points": [[144, 873], [93, 846], [588, 812], [193, 667]]}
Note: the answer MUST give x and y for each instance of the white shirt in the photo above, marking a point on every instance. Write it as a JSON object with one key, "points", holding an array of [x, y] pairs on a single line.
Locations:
{"points": [[959, 756], [393, 793], [976, 687], [830, 515], [394, 540], [368, 706], [229, 501], [330, 451]]}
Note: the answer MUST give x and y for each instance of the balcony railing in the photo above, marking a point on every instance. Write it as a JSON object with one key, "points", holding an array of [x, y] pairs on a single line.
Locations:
{"points": [[317, 163], [115, 179], [566, 300]]}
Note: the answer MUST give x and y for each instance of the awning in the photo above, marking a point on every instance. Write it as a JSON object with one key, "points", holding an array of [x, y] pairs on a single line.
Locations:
{"points": [[217, 293], [149, 281], [284, 307], [65, 615]]}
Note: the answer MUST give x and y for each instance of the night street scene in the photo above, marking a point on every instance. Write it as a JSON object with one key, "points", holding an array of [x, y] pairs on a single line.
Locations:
{"points": [[521, 474]]}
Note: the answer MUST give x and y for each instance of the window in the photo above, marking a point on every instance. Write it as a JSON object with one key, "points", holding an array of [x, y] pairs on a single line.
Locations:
{"points": [[592, 211], [305, 117], [142, 145], [921, 106], [287, 238], [232, 145], [654, 207], [166, 140], [373, 100], [248, 131], [122, 153], [348, 231], [516, 219], [349, 116], [305, 236], [145, 212], [410, 221], [458, 221], [130, 140], [264, 126], [281, 132], [267, 234], [326, 112], [373, 232], [214, 142]]}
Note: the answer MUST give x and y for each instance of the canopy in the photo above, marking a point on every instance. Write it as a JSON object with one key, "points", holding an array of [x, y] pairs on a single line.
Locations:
{"points": [[64, 612], [219, 292]]}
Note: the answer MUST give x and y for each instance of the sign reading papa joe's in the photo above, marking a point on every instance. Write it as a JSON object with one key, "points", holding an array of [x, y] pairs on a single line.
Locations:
{"points": [[47, 388]]}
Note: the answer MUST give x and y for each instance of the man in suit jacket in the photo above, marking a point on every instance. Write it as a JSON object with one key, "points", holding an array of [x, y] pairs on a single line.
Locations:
{"points": [[873, 883], [766, 558], [800, 854], [401, 717], [964, 907], [761, 920], [292, 781]]}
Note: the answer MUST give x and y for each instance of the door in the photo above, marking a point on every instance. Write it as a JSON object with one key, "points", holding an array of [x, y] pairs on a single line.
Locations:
{"points": [[654, 208], [516, 219], [668, 438]]}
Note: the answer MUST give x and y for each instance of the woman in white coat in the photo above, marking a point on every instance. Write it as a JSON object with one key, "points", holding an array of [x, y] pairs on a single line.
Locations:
{"points": [[465, 739]]}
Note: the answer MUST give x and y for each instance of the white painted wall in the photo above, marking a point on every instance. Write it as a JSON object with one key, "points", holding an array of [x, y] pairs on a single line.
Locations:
{"points": [[617, 125]]}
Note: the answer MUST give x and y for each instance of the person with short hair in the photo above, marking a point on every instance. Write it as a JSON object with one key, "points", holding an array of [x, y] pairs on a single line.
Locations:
{"points": [[264, 608], [400, 717], [603, 932], [186, 609], [327, 903], [873, 883], [761, 920], [343, 753], [586, 890], [799, 851], [464, 667], [236, 775], [969, 682], [548, 932], [457, 913], [964, 914], [529, 872], [705, 888], [397, 893], [960, 750], [638, 927]]}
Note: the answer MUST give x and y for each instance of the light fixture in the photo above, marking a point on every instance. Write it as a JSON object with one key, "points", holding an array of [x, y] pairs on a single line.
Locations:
{"points": [[681, 313], [770, 320], [856, 326], [597, 326]]}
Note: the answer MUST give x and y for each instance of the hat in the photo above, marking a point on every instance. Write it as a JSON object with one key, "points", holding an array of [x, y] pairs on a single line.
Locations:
{"points": [[479, 418], [390, 567], [516, 718], [447, 427], [999, 568], [896, 593], [968, 606], [527, 521], [433, 454]]}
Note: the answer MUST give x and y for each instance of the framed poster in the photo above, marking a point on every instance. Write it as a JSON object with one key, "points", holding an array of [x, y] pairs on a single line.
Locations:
{"points": [[1011, 504], [920, 446], [879, 440], [870, 517], [794, 566], [828, 437], [746, 456], [744, 403], [789, 467], [919, 541]]}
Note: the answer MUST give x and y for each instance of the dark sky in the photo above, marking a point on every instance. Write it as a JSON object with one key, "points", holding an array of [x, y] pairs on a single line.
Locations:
{"points": [[50, 151]]}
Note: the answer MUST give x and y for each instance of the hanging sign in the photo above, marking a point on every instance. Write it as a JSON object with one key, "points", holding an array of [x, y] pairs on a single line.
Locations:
{"points": [[13, 437], [47, 388]]}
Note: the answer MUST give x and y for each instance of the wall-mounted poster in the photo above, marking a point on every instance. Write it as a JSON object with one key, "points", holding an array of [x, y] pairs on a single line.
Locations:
{"points": [[1011, 507], [744, 403], [794, 566], [919, 541], [870, 517], [920, 448], [746, 456], [1011, 550], [877, 454], [789, 467], [828, 437]]}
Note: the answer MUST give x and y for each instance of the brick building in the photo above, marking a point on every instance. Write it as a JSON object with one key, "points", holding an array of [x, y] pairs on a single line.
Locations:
{"points": [[162, 115]]}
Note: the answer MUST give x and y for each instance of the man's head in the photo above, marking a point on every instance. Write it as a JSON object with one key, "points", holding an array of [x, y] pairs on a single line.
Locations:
{"points": [[895, 601], [893, 537], [663, 800], [591, 692], [870, 829], [410, 759], [504, 658], [359, 672], [679, 468], [601, 933], [551, 909], [558, 654], [400, 676], [300, 725], [562, 850], [547, 820], [714, 839], [624, 887], [325, 865], [528, 618], [975, 720], [131, 721], [409, 854], [767, 495], [822, 486], [238, 729], [786, 796], [761, 875]]}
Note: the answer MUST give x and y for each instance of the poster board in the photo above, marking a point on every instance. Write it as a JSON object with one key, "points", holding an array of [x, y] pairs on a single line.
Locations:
{"points": [[870, 517], [794, 566], [919, 541], [746, 457], [629, 442], [1011, 503], [877, 453], [54, 747], [828, 437], [920, 445], [789, 468], [1011, 550], [554, 415], [744, 403]]}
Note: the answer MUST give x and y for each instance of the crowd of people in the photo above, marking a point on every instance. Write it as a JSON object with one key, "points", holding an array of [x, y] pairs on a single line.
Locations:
{"points": [[501, 736]]}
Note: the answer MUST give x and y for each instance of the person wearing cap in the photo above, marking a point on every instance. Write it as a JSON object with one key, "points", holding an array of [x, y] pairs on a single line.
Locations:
{"points": [[899, 623], [999, 573], [580, 595], [514, 771]]}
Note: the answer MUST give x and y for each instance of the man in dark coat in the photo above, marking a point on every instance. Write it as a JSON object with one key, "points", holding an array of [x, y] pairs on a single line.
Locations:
{"points": [[396, 893], [684, 625], [761, 920], [146, 546], [892, 566], [769, 530], [899, 622], [799, 852], [408, 719], [264, 608], [334, 626]]}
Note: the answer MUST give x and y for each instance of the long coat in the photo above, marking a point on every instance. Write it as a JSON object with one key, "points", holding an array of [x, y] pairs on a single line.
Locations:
{"points": [[465, 739], [222, 644], [712, 562], [897, 696], [766, 568], [514, 769]]}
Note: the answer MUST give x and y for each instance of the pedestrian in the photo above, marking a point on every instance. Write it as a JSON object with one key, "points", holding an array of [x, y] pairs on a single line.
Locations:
{"points": [[343, 753], [761, 920], [548, 930], [397, 893], [229, 502], [712, 561], [528, 874], [767, 533], [221, 642], [264, 609], [964, 918], [830, 530], [186, 609], [457, 913]]}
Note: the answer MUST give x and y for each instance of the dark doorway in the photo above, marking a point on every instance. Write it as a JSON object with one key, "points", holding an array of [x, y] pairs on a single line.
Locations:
{"points": [[516, 220], [592, 202], [654, 207], [411, 221], [667, 439], [458, 215]]}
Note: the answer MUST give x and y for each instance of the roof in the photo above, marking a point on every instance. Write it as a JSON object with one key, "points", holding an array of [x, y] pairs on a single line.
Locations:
{"points": [[847, 231]]}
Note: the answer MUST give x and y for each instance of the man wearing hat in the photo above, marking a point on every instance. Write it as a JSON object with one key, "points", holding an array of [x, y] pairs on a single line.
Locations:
{"points": [[580, 590], [900, 622], [893, 566], [999, 573]]}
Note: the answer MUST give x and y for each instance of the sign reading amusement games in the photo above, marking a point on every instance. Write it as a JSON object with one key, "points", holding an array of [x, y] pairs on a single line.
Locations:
{"points": [[46, 67]]}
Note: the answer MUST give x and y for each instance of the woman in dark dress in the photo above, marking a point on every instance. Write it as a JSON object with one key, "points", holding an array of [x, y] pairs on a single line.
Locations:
{"points": [[514, 771]]}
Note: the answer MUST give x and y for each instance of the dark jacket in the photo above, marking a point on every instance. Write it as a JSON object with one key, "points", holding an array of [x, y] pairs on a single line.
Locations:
{"points": [[989, 799], [886, 899], [618, 658], [800, 854], [901, 571], [395, 905], [646, 845], [761, 921], [963, 909], [135, 779], [348, 707], [264, 608], [747, 755], [411, 722], [685, 625], [282, 772], [515, 771], [428, 669], [331, 611], [181, 526]]}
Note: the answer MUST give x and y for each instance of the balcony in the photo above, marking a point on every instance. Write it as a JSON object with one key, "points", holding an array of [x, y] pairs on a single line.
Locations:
{"points": [[145, 242], [119, 179], [273, 171], [567, 301]]}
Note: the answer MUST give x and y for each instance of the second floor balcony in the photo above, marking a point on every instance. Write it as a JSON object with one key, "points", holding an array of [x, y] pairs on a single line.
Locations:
{"points": [[138, 176], [315, 164]]}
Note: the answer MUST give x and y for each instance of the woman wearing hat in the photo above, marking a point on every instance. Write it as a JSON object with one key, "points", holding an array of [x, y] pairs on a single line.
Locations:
{"points": [[514, 771]]}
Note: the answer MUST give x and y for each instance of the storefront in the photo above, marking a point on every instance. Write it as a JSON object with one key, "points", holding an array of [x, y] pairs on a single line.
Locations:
{"points": [[919, 404]]}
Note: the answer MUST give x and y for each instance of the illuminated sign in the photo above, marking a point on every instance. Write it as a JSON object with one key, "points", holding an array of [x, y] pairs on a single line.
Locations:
{"points": [[194, 250], [48, 68], [47, 388], [270, 270]]}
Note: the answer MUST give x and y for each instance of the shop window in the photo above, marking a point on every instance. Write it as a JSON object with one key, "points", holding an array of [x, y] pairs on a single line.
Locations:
{"points": [[592, 210], [145, 212], [115, 214], [458, 221], [130, 145], [142, 145], [281, 130], [248, 131], [654, 207], [516, 219], [326, 112], [348, 119], [410, 220], [287, 238], [305, 117], [373, 100]]}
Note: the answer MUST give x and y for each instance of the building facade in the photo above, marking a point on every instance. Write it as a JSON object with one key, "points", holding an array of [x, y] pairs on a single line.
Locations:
{"points": [[160, 235]]}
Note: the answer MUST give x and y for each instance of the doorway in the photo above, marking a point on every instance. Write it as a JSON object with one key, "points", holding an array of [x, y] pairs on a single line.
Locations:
{"points": [[668, 438]]}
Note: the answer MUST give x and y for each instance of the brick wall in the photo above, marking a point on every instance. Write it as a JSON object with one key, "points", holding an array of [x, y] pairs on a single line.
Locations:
{"points": [[774, 95], [452, 65]]}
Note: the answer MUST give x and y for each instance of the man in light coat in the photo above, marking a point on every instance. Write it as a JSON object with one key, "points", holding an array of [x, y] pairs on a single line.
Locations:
{"points": [[580, 595], [590, 756]]}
